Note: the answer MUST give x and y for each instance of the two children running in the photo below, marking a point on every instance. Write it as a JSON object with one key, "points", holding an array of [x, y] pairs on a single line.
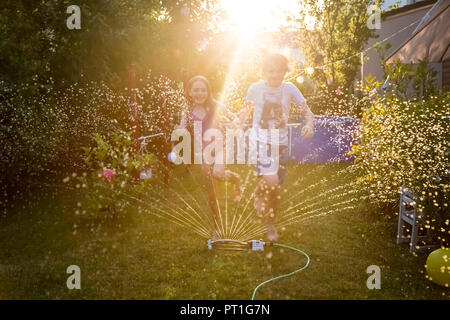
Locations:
{"points": [[269, 101]]}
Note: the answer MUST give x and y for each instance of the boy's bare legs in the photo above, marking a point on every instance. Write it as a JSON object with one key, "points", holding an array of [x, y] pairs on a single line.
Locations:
{"points": [[267, 196]]}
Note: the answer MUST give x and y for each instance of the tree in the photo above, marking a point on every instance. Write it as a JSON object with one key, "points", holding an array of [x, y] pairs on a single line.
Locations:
{"points": [[151, 34], [59, 86], [401, 74], [339, 34]]}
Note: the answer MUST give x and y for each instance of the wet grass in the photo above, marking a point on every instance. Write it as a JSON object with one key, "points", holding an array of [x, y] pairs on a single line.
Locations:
{"points": [[140, 256]]}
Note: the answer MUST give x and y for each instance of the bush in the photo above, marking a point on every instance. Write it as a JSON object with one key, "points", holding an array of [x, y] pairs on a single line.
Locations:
{"points": [[43, 129], [334, 102], [113, 173], [407, 143]]}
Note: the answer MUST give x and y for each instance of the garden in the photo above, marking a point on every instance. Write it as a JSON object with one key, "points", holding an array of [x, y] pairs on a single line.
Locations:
{"points": [[88, 180]]}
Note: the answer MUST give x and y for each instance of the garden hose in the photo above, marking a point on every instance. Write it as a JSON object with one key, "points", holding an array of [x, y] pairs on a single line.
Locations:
{"points": [[255, 245], [283, 275]]}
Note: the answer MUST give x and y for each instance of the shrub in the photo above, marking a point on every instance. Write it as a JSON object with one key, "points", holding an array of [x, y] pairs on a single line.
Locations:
{"points": [[31, 127], [43, 129], [335, 102], [407, 143], [113, 173]]}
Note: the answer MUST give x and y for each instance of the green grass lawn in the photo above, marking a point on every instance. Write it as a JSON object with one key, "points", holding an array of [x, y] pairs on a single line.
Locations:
{"points": [[140, 256]]}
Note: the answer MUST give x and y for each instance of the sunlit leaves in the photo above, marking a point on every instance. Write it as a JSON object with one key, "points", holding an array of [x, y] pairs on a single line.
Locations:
{"points": [[406, 142]]}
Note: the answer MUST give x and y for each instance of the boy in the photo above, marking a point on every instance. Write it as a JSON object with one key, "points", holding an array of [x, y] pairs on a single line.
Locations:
{"points": [[271, 100]]}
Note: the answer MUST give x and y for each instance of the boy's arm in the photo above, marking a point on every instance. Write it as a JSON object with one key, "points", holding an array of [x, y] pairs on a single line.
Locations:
{"points": [[300, 102], [308, 128]]}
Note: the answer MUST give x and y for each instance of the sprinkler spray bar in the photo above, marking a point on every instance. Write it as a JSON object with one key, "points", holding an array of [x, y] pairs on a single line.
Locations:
{"points": [[236, 245]]}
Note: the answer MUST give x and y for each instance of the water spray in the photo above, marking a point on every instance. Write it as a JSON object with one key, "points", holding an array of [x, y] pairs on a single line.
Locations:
{"points": [[255, 245]]}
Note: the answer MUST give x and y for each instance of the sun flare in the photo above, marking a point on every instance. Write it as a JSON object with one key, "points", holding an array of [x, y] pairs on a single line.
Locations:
{"points": [[250, 16]]}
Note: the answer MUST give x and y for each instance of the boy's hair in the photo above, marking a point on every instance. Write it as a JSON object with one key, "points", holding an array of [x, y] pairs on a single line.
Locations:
{"points": [[277, 59]]}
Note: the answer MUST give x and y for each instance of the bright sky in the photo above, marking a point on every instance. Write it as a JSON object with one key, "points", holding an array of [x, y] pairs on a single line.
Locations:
{"points": [[254, 15], [251, 19]]}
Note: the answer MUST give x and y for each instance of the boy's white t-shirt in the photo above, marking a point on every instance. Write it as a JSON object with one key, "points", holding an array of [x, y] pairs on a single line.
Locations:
{"points": [[286, 94]]}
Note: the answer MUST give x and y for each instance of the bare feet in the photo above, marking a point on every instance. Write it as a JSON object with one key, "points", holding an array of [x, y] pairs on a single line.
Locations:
{"points": [[272, 234]]}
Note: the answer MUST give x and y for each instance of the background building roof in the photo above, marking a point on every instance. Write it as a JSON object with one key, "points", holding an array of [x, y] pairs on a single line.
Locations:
{"points": [[430, 40]]}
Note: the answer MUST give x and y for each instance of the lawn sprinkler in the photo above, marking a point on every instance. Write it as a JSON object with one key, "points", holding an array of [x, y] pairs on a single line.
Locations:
{"points": [[236, 245], [255, 245]]}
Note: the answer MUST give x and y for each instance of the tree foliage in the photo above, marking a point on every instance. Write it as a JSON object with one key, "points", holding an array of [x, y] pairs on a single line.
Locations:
{"points": [[114, 35], [339, 34]]}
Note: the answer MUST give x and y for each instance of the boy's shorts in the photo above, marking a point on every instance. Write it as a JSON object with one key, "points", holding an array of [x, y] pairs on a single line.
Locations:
{"points": [[266, 163]]}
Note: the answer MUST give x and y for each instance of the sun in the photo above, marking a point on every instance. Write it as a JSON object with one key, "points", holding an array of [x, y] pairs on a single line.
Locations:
{"points": [[253, 24], [250, 16]]}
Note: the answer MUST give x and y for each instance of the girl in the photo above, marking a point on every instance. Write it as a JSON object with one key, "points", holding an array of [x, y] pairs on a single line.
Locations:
{"points": [[203, 107]]}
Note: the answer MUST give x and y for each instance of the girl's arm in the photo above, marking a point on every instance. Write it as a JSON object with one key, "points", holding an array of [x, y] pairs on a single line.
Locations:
{"points": [[248, 107], [244, 114], [183, 121], [224, 115]]}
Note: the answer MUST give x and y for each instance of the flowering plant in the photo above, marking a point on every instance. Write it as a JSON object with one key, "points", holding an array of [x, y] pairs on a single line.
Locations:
{"points": [[113, 176]]}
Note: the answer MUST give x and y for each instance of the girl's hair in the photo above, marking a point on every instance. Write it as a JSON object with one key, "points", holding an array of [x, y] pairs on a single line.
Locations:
{"points": [[277, 59], [210, 102]]}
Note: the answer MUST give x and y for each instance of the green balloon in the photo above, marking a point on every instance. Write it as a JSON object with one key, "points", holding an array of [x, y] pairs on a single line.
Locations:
{"points": [[438, 266]]}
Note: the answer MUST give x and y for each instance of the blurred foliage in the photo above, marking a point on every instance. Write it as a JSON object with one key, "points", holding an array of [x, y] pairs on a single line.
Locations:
{"points": [[421, 74], [340, 34], [382, 54], [424, 80], [115, 154], [335, 102], [407, 143], [43, 134], [114, 35], [160, 103], [400, 76], [58, 86]]}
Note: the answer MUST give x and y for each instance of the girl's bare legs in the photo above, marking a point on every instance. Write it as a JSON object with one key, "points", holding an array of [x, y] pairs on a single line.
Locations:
{"points": [[212, 174], [220, 173], [211, 188]]}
